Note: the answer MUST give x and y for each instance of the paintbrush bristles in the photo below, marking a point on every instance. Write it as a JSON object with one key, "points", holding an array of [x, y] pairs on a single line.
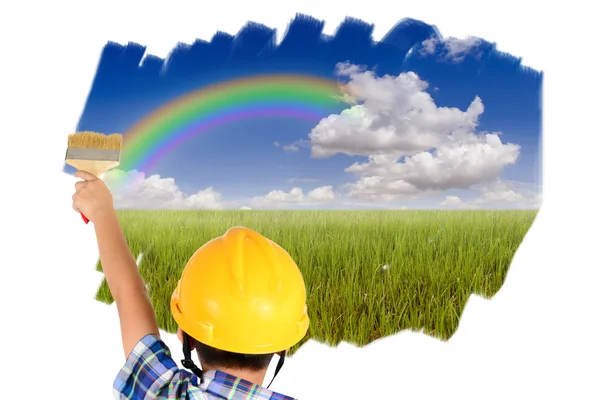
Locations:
{"points": [[93, 140]]}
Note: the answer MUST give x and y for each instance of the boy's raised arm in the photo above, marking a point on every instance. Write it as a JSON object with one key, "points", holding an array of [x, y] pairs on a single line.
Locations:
{"points": [[127, 287]]}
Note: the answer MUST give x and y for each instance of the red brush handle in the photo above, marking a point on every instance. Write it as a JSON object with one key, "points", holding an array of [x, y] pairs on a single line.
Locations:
{"points": [[84, 218]]}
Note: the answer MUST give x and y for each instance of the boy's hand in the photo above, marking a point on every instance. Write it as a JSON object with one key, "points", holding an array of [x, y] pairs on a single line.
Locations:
{"points": [[91, 197]]}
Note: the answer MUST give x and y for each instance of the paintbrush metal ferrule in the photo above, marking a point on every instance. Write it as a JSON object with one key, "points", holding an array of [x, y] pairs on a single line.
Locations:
{"points": [[92, 154]]}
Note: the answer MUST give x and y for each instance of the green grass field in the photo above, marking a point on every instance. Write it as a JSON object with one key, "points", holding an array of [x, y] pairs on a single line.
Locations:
{"points": [[436, 260]]}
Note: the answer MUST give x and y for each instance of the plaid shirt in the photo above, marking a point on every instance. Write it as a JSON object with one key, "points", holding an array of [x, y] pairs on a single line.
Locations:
{"points": [[151, 373]]}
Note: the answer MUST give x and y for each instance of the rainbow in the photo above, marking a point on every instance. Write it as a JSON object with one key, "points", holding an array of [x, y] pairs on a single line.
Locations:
{"points": [[295, 96]]}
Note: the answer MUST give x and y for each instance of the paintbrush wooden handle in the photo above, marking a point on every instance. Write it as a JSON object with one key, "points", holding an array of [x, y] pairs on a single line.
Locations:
{"points": [[84, 218]]}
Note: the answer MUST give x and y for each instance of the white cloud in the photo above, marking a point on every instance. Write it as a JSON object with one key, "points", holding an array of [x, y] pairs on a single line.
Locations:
{"points": [[536, 201], [457, 165], [516, 194], [395, 116], [413, 146], [279, 198], [451, 48], [451, 201], [457, 203], [429, 46], [245, 208], [322, 194], [293, 147], [499, 194], [133, 190], [378, 188]]}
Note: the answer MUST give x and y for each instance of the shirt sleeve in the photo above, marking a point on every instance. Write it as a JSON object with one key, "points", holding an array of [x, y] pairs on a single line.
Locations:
{"points": [[151, 373]]}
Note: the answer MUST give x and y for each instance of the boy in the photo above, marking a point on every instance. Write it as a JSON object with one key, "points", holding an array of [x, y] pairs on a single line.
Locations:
{"points": [[240, 300]]}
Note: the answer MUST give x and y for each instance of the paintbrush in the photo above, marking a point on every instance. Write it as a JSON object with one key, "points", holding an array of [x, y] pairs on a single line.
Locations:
{"points": [[94, 153]]}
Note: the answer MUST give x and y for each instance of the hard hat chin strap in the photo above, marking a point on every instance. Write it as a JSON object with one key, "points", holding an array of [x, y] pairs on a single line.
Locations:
{"points": [[278, 367], [189, 364], [187, 360]]}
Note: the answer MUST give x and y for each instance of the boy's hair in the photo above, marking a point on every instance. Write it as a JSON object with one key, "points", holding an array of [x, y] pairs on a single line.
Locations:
{"points": [[226, 359]]}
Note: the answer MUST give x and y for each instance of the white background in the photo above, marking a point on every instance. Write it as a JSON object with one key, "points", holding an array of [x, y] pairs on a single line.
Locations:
{"points": [[538, 338]]}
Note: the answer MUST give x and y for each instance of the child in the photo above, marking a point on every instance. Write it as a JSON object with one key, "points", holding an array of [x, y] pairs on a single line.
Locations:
{"points": [[240, 300]]}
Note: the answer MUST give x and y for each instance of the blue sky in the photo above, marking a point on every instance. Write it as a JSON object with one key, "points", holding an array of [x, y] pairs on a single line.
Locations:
{"points": [[277, 162]]}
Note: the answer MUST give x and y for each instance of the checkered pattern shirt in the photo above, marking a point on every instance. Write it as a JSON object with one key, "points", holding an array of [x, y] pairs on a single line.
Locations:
{"points": [[151, 373]]}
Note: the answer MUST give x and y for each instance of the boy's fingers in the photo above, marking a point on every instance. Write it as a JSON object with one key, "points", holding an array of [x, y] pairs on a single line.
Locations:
{"points": [[73, 205], [85, 176], [80, 185]]}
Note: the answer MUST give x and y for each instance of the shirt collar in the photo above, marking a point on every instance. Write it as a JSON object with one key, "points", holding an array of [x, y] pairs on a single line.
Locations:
{"points": [[224, 384]]}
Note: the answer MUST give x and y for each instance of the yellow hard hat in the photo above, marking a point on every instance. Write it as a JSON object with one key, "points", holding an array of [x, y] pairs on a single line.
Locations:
{"points": [[242, 293]]}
